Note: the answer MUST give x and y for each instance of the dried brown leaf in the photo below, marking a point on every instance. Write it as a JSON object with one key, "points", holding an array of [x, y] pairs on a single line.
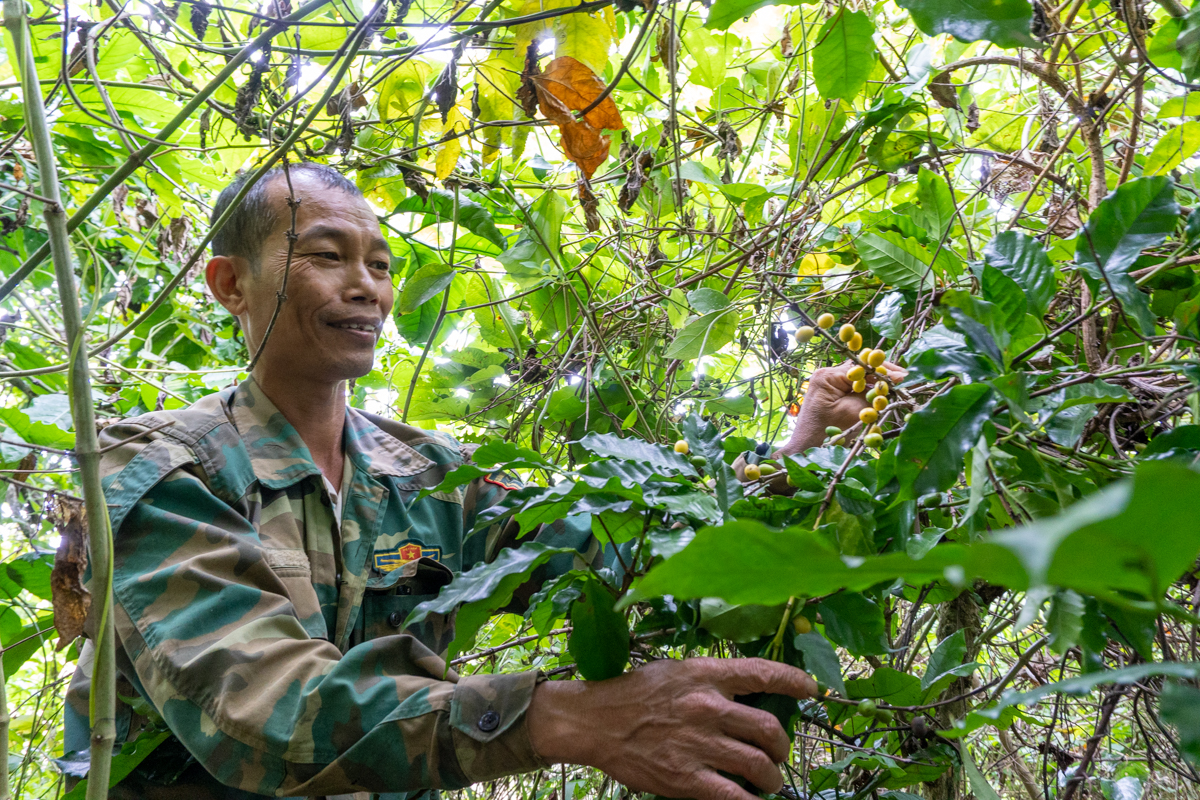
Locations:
{"points": [[590, 204], [567, 86], [71, 600]]}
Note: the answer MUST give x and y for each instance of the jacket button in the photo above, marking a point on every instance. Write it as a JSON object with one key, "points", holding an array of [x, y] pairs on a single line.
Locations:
{"points": [[489, 721], [395, 619]]}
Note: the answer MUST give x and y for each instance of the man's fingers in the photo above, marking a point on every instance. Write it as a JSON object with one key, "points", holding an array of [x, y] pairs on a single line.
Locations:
{"points": [[738, 758], [756, 727], [750, 675], [711, 786]]}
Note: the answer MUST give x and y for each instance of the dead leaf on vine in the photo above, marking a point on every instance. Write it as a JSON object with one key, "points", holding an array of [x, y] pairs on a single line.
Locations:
{"points": [[589, 203], [566, 86], [71, 599]]}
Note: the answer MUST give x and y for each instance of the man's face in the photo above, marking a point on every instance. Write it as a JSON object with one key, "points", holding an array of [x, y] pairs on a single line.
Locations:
{"points": [[339, 289]]}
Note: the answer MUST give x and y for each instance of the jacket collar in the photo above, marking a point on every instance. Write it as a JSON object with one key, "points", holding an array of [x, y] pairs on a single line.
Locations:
{"points": [[280, 458]]}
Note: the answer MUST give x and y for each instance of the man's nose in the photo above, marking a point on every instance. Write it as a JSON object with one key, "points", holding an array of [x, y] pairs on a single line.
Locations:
{"points": [[360, 287]]}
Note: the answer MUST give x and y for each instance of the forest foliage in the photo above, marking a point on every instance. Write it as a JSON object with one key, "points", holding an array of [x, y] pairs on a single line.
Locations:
{"points": [[615, 225]]}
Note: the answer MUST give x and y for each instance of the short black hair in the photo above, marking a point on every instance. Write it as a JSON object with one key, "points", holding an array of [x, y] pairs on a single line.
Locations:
{"points": [[252, 222]]}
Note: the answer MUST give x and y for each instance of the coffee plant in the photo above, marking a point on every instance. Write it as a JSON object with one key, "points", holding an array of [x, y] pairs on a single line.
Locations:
{"points": [[625, 234]]}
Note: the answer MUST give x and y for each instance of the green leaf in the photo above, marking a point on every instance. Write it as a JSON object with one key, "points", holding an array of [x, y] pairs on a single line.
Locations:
{"points": [[1023, 259], [471, 215], [1006, 295], [841, 65], [887, 684], [821, 660], [704, 439], [704, 335], [744, 561], [125, 760], [936, 203], [1139, 214], [1064, 620], [480, 591], [1180, 706], [428, 282], [739, 624], [929, 455], [979, 784], [946, 658], [1002, 22], [888, 319], [726, 12], [1175, 146], [1097, 391], [599, 640], [609, 445], [1099, 545], [854, 622], [1187, 105], [706, 301], [896, 260]]}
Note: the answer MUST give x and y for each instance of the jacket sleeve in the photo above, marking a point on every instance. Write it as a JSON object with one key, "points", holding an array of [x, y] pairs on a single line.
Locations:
{"points": [[219, 650]]}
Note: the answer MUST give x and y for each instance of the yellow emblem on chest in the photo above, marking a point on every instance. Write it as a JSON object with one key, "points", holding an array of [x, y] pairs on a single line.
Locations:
{"points": [[396, 557]]}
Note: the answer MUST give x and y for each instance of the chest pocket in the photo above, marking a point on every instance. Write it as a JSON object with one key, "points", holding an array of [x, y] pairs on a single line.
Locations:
{"points": [[390, 597]]}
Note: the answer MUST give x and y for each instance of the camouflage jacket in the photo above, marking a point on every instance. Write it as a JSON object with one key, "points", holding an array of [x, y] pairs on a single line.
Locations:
{"points": [[269, 639]]}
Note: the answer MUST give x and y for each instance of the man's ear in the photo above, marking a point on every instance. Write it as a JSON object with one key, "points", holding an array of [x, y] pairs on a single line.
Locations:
{"points": [[226, 278]]}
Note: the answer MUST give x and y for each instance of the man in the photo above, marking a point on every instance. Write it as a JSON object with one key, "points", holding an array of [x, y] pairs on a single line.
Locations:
{"points": [[268, 547]]}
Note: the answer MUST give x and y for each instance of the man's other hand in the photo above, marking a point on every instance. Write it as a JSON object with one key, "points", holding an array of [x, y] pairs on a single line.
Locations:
{"points": [[669, 727]]}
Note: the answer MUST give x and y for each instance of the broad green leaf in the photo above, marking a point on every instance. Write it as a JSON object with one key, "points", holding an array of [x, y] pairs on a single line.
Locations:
{"points": [[599, 640], [896, 260], [946, 658], [1100, 546], [1175, 146], [1006, 295], [1138, 215], [1023, 259], [428, 282], [739, 624], [704, 335], [1180, 706], [482, 590], [726, 12], [886, 684], [610, 445], [1064, 620], [706, 301], [1097, 391], [855, 622], [936, 203], [746, 562], [929, 455], [821, 660], [979, 784], [841, 64], [1002, 22], [1187, 105]]}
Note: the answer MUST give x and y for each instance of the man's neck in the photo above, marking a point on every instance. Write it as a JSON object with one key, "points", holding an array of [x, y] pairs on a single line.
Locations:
{"points": [[317, 410]]}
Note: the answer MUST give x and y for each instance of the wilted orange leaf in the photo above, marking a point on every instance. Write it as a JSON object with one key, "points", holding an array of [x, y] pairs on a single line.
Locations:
{"points": [[566, 86]]}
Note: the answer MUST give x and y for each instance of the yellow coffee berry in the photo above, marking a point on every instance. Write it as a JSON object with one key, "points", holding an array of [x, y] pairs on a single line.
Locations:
{"points": [[681, 447], [802, 625], [868, 416], [753, 472], [858, 387], [875, 429], [881, 372], [825, 321], [855, 342], [805, 333], [881, 389], [856, 373], [846, 331], [876, 358], [880, 403]]}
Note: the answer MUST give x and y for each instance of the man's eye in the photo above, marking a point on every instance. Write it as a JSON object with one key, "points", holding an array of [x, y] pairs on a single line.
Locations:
{"points": [[329, 256], [381, 265]]}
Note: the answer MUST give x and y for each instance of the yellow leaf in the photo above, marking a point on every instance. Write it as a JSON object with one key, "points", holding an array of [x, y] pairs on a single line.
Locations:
{"points": [[585, 37], [447, 156], [815, 264], [403, 89]]}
